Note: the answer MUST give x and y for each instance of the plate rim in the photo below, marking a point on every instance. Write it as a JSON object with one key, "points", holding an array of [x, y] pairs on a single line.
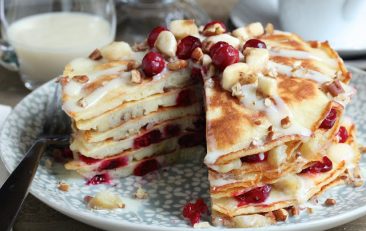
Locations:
{"points": [[113, 224]]}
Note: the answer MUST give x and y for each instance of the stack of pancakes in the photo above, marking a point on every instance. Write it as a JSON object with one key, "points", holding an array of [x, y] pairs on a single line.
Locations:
{"points": [[121, 127], [275, 129], [262, 144]]}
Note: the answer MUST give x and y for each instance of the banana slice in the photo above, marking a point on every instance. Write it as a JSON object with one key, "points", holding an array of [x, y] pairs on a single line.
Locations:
{"points": [[224, 38], [117, 51], [166, 43], [277, 155], [232, 74], [256, 58], [183, 28], [267, 85]]}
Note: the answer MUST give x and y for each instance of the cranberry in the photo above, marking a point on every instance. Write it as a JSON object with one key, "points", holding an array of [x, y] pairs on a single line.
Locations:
{"points": [[172, 130], [184, 98], [255, 158], [217, 46], [196, 73], [255, 43], [88, 160], [224, 55], [256, 195], [145, 167], [113, 163], [67, 153], [99, 179], [148, 138], [193, 211], [190, 140], [154, 35], [153, 63], [342, 134], [211, 24], [329, 121], [318, 166], [186, 47]]}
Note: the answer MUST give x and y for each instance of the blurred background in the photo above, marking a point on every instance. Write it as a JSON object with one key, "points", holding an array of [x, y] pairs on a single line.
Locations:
{"points": [[341, 22]]}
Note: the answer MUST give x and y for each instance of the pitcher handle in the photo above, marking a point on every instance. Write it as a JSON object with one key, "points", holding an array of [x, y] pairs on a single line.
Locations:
{"points": [[8, 58]]}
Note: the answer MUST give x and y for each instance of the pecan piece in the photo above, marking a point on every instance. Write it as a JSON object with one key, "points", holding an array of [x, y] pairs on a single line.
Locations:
{"points": [[96, 55], [335, 88]]}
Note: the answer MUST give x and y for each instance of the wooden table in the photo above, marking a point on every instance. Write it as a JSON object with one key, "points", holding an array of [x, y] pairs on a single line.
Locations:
{"points": [[35, 215]]}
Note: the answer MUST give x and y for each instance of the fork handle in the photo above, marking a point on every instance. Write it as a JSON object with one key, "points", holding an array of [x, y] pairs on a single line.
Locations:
{"points": [[15, 189]]}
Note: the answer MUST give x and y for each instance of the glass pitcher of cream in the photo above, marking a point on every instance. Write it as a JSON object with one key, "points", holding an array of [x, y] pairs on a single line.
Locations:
{"points": [[41, 36]]}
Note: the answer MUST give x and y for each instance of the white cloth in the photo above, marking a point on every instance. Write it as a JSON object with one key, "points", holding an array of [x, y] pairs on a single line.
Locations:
{"points": [[4, 112]]}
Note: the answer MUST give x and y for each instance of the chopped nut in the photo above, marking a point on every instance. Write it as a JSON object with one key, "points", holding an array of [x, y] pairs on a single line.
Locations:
{"points": [[267, 102], [183, 28], [140, 46], [269, 28], [309, 210], [270, 135], [132, 64], [248, 78], [63, 186], [255, 29], [362, 149], [136, 76], [87, 198], [177, 65], [80, 78], [141, 193], [294, 211], [63, 80], [106, 200], [330, 202], [214, 29], [236, 90], [281, 214], [96, 55], [48, 163], [200, 225], [335, 88], [82, 102], [257, 122], [206, 60], [206, 46], [286, 122], [232, 74], [197, 54], [166, 43]]}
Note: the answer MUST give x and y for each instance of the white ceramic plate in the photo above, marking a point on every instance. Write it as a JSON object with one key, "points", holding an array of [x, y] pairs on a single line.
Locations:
{"points": [[169, 189]]}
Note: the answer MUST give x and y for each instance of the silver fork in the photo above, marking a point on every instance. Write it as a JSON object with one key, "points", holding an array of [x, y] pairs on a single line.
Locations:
{"points": [[15, 189]]}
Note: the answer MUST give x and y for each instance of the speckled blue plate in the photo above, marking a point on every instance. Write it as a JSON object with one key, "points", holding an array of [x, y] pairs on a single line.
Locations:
{"points": [[168, 189]]}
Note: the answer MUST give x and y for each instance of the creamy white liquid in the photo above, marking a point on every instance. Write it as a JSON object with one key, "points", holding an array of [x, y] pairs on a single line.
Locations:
{"points": [[45, 43]]}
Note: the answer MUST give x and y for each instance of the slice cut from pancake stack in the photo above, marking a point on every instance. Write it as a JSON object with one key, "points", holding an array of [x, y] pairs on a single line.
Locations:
{"points": [[274, 108]]}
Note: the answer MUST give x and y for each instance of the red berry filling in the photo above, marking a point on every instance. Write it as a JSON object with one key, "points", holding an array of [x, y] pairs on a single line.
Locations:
{"points": [[342, 134], [184, 98], [221, 24], [152, 64], [190, 140], [88, 160], [260, 157], [256, 195], [318, 166], [186, 46], [154, 35], [99, 179], [329, 121], [145, 167], [194, 211], [255, 43], [113, 163], [172, 130], [145, 140], [223, 55]]}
